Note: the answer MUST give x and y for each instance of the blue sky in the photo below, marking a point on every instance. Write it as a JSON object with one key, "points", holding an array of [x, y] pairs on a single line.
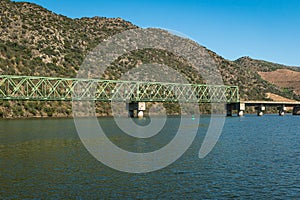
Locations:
{"points": [[261, 29]]}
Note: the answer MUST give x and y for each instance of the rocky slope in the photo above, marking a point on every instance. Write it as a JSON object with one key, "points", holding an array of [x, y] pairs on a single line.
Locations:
{"points": [[35, 41]]}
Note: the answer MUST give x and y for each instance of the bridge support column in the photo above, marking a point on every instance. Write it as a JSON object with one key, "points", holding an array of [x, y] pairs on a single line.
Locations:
{"points": [[136, 109], [296, 110], [260, 110], [241, 109], [281, 110], [229, 108]]}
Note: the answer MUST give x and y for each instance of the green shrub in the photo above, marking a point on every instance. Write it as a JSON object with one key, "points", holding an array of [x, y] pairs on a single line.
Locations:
{"points": [[49, 111]]}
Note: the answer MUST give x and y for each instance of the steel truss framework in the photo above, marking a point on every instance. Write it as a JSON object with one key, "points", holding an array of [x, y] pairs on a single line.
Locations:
{"points": [[68, 89]]}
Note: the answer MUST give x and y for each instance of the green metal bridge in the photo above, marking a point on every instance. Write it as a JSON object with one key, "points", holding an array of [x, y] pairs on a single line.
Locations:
{"points": [[68, 89]]}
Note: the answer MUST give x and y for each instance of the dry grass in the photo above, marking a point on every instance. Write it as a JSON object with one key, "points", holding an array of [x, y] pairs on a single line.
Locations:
{"points": [[283, 78], [278, 98]]}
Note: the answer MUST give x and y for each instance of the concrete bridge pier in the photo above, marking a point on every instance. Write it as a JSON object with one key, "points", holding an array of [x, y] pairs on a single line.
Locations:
{"points": [[281, 110], [260, 110], [240, 107], [229, 108], [136, 109]]}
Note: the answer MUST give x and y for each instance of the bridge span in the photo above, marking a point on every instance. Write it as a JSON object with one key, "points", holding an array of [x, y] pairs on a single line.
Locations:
{"points": [[135, 93], [68, 89], [261, 106]]}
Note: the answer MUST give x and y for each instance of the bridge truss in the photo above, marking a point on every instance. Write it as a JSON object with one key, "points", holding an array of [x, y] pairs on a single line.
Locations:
{"points": [[68, 89]]}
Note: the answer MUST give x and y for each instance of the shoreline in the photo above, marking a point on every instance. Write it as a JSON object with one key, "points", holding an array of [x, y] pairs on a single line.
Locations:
{"points": [[110, 116]]}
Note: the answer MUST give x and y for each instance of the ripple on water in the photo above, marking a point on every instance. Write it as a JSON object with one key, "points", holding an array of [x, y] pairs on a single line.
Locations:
{"points": [[255, 158]]}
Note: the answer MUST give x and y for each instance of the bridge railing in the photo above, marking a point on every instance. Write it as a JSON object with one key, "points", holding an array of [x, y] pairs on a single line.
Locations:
{"points": [[67, 89]]}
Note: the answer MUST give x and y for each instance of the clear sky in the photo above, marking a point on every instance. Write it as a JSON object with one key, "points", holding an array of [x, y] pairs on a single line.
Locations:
{"points": [[261, 29]]}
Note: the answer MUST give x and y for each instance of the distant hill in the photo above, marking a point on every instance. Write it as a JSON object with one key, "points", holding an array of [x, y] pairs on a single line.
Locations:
{"points": [[282, 80], [35, 41]]}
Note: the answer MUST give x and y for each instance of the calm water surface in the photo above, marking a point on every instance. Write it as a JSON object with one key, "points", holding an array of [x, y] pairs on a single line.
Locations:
{"points": [[255, 158]]}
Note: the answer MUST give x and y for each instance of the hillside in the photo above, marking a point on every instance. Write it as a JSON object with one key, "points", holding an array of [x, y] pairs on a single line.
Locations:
{"points": [[284, 78], [35, 41]]}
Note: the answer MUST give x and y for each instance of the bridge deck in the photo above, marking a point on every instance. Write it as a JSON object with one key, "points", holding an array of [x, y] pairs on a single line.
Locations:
{"points": [[271, 103]]}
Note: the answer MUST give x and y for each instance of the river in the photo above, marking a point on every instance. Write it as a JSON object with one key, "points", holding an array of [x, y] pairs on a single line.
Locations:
{"points": [[254, 158]]}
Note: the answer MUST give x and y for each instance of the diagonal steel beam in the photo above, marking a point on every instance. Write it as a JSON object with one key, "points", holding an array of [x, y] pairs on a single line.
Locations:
{"points": [[67, 89]]}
